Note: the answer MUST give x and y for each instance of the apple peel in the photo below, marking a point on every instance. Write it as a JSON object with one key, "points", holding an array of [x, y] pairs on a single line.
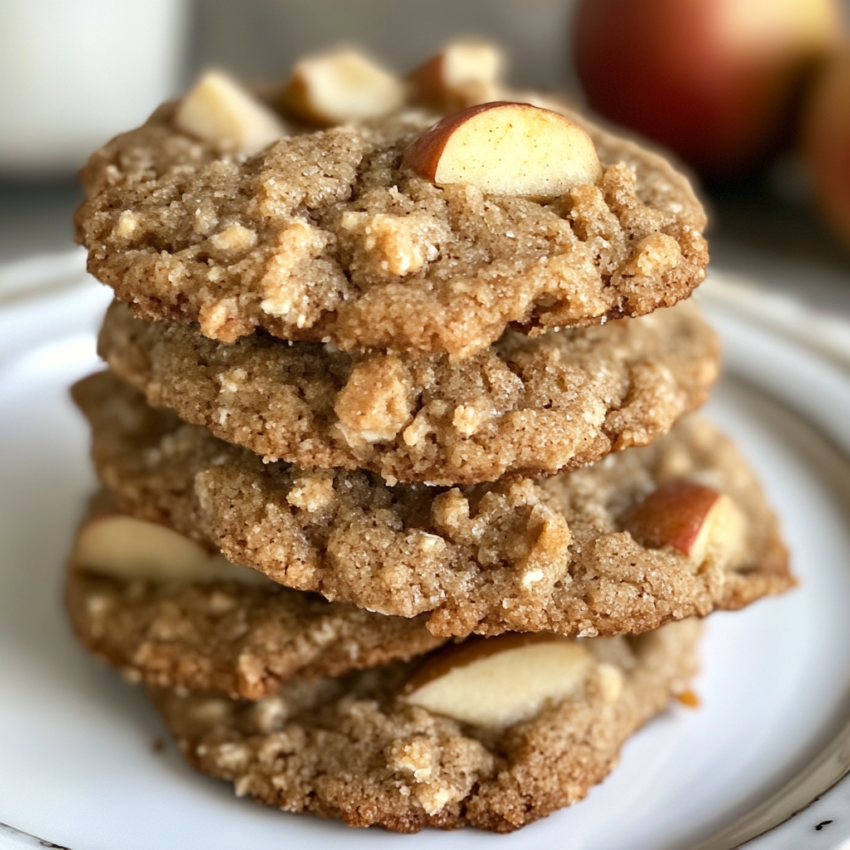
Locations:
{"points": [[464, 73], [506, 148], [692, 518]]}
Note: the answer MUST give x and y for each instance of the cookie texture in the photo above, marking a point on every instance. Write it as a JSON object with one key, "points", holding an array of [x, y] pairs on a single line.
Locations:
{"points": [[240, 639], [528, 405], [515, 555], [328, 236], [349, 749]]}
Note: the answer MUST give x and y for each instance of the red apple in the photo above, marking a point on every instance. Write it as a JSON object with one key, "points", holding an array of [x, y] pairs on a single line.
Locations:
{"points": [[826, 141], [715, 80]]}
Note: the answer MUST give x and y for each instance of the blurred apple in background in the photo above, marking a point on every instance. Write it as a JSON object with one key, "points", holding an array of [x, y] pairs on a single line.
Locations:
{"points": [[826, 141], [717, 81]]}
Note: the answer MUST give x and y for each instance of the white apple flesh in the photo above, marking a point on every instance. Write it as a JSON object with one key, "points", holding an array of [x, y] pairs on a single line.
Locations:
{"points": [[465, 73], [495, 682], [218, 110], [507, 149], [341, 86], [124, 547]]}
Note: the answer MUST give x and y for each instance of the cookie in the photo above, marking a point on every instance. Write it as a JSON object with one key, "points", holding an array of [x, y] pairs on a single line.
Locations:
{"points": [[516, 555], [330, 236], [242, 638], [353, 749], [541, 405]]}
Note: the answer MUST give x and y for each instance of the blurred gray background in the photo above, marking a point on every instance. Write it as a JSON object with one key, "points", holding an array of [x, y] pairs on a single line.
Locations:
{"points": [[263, 37]]}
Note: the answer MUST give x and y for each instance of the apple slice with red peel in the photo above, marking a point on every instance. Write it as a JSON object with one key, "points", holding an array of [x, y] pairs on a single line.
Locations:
{"points": [[121, 546], [341, 86], [218, 110], [506, 149], [495, 682], [465, 73], [692, 518]]}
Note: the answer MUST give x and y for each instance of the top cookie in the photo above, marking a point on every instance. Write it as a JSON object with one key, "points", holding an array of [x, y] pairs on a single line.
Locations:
{"points": [[332, 236]]}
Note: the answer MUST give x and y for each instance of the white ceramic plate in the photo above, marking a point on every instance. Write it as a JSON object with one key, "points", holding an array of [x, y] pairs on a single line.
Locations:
{"points": [[77, 766]]}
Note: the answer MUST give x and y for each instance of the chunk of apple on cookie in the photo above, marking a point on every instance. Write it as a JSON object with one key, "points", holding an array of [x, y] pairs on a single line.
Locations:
{"points": [[506, 148], [698, 521]]}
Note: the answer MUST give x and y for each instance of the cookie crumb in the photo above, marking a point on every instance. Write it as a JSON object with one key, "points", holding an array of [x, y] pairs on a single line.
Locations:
{"points": [[688, 698]]}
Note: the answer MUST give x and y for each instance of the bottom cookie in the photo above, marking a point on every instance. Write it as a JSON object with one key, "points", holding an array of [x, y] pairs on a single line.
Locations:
{"points": [[364, 749]]}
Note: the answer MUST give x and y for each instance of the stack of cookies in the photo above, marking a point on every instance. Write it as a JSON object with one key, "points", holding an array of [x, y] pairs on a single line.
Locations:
{"points": [[399, 522]]}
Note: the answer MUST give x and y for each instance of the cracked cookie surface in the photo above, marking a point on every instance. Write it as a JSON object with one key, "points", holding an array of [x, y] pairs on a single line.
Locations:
{"points": [[528, 405], [327, 236], [349, 749], [516, 555]]}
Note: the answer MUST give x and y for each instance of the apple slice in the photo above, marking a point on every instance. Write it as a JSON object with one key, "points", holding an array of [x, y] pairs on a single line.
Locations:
{"points": [[465, 73], [506, 149], [692, 518], [341, 86], [123, 547], [495, 682], [218, 110]]}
